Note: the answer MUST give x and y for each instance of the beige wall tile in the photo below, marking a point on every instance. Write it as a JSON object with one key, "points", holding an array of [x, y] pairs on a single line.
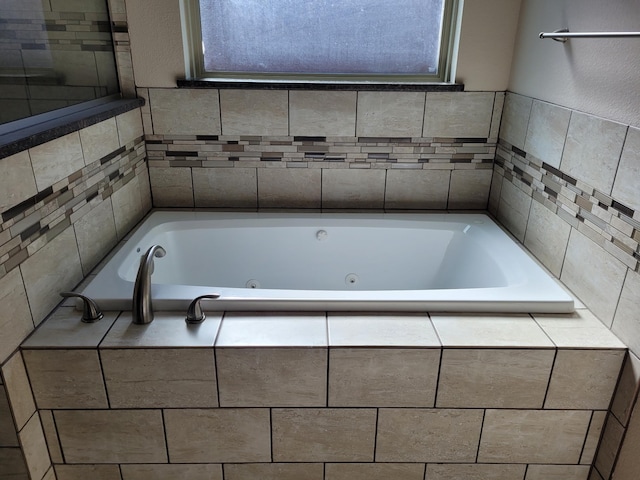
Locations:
{"points": [[17, 181], [15, 316], [626, 324], [129, 126], [322, 113], [496, 118], [261, 377], [610, 445], [96, 235], [627, 389], [254, 112], [557, 472], [417, 189], [627, 466], [584, 379], [593, 437], [18, 390], [580, 329], [547, 131], [218, 435], [595, 276], [513, 209], [515, 118], [627, 181], [111, 436], [343, 188], [12, 464], [495, 193], [489, 331], [171, 187], [592, 150], [289, 187], [53, 269], [547, 236], [50, 475], [428, 435], [34, 448], [84, 472], [269, 329], [171, 472], [51, 435], [323, 435], [128, 208], [185, 111], [484, 378], [225, 187], [374, 471], [57, 159], [390, 114], [99, 140], [8, 436], [155, 378], [533, 436], [274, 471], [471, 471], [383, 377], [66, 378], [398, 330], [469, 189], [458, 114]]}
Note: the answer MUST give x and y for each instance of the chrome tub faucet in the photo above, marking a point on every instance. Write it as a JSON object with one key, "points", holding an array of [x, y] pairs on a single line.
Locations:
{"points": [[142, 309]]}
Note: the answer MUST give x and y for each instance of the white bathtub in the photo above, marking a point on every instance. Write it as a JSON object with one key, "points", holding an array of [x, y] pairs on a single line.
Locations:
{"points": [[331, 262]]}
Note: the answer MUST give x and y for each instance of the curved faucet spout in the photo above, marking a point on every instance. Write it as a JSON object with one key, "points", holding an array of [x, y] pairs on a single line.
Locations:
{"points": [[142, 310]]}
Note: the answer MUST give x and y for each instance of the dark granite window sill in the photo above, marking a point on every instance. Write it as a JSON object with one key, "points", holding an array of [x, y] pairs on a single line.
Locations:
{"points": [[24, 134], [268, 84]]}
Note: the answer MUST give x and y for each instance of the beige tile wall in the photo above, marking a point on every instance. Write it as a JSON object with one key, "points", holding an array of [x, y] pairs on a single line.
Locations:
{"points": [[566, 182], [320, 149]]}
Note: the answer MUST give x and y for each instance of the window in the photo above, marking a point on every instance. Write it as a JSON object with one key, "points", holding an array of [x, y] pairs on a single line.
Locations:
{"points": [[372, 40]]}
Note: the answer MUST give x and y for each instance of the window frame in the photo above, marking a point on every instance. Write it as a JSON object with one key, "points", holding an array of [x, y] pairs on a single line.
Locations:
{"points": [[194, 57]]}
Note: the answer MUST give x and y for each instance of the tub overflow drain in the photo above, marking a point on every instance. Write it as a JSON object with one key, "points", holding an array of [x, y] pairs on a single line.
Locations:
{"points": [[351, 279], [321, 235], [252, 284]]}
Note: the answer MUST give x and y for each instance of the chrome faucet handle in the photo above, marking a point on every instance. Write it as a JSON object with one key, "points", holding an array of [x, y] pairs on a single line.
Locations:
{"points": [[194, 312], [90, 311]]}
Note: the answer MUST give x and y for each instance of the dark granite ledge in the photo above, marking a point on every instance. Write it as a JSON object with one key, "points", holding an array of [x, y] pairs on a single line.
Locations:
{"points": [[322, 85], [55, 126]]}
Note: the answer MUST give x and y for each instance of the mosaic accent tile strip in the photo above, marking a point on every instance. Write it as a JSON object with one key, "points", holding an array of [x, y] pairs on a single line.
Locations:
{"points": [[29, 226], [319, 152], [611, 224]]}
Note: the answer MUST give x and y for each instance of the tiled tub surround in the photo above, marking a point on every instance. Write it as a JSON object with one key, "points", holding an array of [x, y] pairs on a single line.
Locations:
{"points": [[337, 396], [320, 149], [567, 185], [64, 205]]}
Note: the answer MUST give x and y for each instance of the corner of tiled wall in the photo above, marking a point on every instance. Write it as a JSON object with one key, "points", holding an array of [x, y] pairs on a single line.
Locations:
{"points": [[320, 149], [566, 185]]}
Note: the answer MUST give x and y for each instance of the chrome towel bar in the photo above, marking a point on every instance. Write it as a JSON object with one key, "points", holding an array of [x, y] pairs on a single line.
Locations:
{"points": [[563, 35]]}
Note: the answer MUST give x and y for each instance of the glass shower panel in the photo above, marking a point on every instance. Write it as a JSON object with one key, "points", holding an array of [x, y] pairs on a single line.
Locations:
{"points": [[54, 53]]}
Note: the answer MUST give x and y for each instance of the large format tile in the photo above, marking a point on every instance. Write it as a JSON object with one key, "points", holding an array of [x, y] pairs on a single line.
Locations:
{"points": [[18, 390], [474, 471], [96, 235], [83, 472], [374, 471], [218, 435], [627, 181], [225, 187], [171, 187], [427, 435], [547, 236], [626, 323], [458, 114], [383, 377], [12, 463], [417, 189], [129, 126], [547, 132], [15, 316], [593, 437], [186, 111], [533, 436], [557, 472], [261, 377], [379, 330], [254, 112], [56, 160], [17, 181], [469, 189], [273, 471], [390, 114], [8, 436], [584, 379], [171, 472], [323, 435], [580, 329], [99, 140], [486, 378], [513, 209], [515, 118], [627, 389], [353, 188], [34, 448], [289, 187], [160, 378], [51, 435], [66, 378], [322, 113], [129, 205], [627, 466], [592, 150], [612, 438], [111, 436], [595, 276]]}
